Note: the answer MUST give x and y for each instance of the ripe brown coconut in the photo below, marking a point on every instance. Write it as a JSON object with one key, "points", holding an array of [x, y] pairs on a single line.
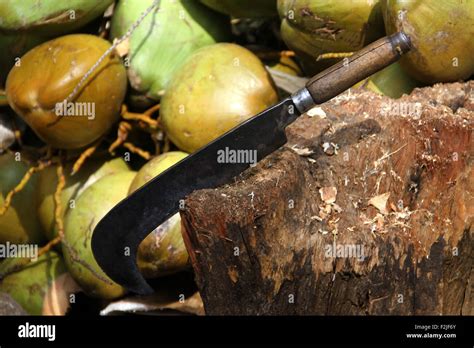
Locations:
{"points": [[38, 88]]}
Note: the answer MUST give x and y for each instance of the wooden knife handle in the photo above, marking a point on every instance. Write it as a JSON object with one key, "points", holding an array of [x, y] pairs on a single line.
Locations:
{"points": [[359, 66]]}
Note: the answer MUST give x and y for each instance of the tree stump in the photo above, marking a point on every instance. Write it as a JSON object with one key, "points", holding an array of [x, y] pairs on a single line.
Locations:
{"points": [[367, 210]]}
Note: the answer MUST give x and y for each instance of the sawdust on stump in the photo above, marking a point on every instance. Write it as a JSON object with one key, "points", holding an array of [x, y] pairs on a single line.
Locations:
{"points": [[380, 224]]}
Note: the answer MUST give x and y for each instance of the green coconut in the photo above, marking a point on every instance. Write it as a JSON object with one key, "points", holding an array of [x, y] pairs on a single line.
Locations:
{"points": [[244, 8], [162, 251], [91, 206], [392, 81], [31, 285], [217, 88], [38, 87], [297, 39], [49, 17], [165, 39], [442, 35], [90, 172], [13, 46], [314, 27], [19, 224]]}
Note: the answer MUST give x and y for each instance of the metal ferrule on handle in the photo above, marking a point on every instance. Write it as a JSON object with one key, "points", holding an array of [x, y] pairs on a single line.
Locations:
{"points": [[345, 74]]}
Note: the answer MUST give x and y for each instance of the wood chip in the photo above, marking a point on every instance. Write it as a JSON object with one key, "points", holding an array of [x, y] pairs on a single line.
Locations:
{"points": [[379, 221], [304, 151], [393, 207], [328, 194], [233, 274], [336, 208], [316, 111], [380, 202]]}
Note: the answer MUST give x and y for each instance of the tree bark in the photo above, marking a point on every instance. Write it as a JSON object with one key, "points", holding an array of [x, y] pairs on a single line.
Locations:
{"points": [[367, 210]]}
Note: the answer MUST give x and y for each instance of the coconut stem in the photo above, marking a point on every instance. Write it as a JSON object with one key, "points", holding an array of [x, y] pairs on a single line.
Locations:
{"points": [[21, 185], [48, 246], [145, 117], [134, 149], [58, 209], [84, 156], [274, 54], [152, 110], [123, 130], [332, 55]]}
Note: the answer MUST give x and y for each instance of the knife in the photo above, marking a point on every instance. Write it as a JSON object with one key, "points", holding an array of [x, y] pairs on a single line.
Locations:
{"points": [[116, 237]]}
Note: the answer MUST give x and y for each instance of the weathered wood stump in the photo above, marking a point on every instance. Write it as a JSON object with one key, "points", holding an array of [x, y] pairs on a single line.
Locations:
{"points": [[367, 210]]}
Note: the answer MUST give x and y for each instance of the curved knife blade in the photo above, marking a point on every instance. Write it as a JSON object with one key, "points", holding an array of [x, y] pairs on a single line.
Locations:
{"points": [[116, 238]]}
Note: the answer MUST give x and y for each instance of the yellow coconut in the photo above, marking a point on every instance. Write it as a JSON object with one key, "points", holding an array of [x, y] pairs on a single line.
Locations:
{"points": [[217, 88], [90, 172], [442, 34], [162, 251], [91, 207], [40, 287], [38, 88]]}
